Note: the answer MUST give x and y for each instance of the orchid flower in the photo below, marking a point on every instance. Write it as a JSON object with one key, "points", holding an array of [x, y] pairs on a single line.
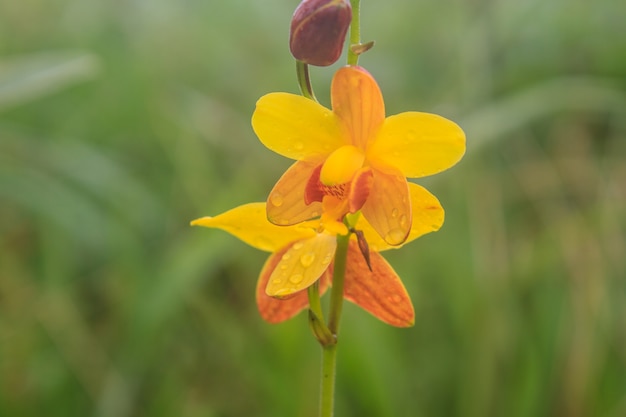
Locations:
{"points": [[352, 158], [303, 253]]}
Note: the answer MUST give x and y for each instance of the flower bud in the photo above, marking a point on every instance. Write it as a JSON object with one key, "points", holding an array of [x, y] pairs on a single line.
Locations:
{"points": [[318, 31]]}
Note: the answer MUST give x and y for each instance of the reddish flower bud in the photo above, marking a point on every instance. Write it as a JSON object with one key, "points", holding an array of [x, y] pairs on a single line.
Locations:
{"points": [[318, 31]]}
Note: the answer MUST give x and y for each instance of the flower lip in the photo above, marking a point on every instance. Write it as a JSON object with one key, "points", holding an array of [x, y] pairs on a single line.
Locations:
{"points": [[341, 165]]}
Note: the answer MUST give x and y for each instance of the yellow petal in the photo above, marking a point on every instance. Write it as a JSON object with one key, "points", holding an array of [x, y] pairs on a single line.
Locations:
{"points": [[418, 144], [301, 265], [286, 204], [388, 207], [296, 127], [357, 100], [275, 310], [249, 223], [378, 291], [428, 216]]}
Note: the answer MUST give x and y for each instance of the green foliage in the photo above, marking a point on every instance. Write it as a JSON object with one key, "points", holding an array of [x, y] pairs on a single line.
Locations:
{"points": [[122, 121]]}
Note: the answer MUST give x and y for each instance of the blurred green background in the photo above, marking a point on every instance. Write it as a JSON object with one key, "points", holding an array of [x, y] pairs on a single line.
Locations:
{"points": [[120, 121]]}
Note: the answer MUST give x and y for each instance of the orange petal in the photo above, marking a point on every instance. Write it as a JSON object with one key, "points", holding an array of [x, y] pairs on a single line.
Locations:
{"points": [[388, 207], [428, 216], [418, 144], [301, 265], [275, 310], [286, 203], [379, 291], [296, 127], [357, 100]]}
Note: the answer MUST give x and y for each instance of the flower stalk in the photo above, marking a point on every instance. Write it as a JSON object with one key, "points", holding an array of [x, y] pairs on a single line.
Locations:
{"points": [[329, 352], [355, 32], [316, 317], [304, 80]]}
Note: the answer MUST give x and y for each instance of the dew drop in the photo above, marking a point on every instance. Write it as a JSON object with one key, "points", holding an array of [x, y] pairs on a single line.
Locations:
{"points": [[394, 213], [277, 199], [395, 298], [296, 278], [286, 256], [327, 259], [395, 236], [283, 222], [283, 267], [298, 245], [307, 259], [281, 292], [277, 281], [403, 220]]}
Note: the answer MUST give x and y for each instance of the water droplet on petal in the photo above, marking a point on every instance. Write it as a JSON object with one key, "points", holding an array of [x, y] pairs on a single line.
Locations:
{"points": [[394, 213], [327, 259], [298, 245], [395, 236], [403, 220], [283, 267], [286, 256], [281, 292], [277, 199], [395, 298], [307, 259], [276, 281], [296, 278]]}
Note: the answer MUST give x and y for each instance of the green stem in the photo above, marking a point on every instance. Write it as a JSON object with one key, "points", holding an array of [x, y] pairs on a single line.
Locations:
{"points": [[339, 272], [329, 355], [329, 364], [315, 303], [316, 317], [304, 80], [355, 31]]}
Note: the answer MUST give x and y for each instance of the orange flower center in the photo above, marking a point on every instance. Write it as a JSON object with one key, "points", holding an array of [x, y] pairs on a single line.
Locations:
{"points": [[345, 187]]}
